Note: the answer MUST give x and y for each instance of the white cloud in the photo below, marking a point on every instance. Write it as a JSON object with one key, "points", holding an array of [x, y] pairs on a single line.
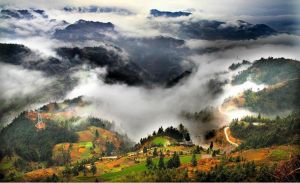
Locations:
{"points": [[139, 110], [16, 81]]}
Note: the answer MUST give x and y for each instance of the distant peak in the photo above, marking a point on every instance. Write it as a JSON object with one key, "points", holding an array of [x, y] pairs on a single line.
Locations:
{"points": [[81, 21], [158, 13]]}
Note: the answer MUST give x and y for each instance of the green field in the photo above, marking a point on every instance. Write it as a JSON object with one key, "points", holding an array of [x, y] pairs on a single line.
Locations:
{"points": [[160, 141], [278, 155], [6, 165], [85, 144]]}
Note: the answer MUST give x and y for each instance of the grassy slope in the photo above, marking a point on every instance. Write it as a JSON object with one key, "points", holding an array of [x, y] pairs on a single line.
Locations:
{"points": [[159, 141]]}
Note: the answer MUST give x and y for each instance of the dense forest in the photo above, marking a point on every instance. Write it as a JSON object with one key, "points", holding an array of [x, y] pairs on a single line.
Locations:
{"points": [[282, 79], [264, 132], [269, 71], [23, 138], [280, 98], [205, 115]]}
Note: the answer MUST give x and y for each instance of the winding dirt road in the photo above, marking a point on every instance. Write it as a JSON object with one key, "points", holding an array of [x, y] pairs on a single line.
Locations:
{"points": [[227, 138]]}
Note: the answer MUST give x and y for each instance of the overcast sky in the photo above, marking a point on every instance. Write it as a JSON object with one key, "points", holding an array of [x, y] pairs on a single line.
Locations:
{"points": [[282, 15]]}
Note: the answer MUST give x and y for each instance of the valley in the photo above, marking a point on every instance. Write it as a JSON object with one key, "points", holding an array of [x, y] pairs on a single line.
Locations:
{"points": [[101, 154], [158, 91]]}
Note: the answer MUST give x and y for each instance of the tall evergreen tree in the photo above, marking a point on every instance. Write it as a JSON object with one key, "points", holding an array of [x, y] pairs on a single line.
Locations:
{"points": [[154, 133], [197, 150], [145, 150], [155, 152], [194, 160], [187, 137], [160, 131], [161, 163], [94, 169], [181, 128], [170, 163], [149, 163], [75, 171], [96, 134], [84, 170], [176, 160]]}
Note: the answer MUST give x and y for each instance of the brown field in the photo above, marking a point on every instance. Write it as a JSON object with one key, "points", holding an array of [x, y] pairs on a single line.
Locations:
{"points": [[118, 162], [40, 174], [206, 164], [105, 135], [85, 136], [267, 154]]}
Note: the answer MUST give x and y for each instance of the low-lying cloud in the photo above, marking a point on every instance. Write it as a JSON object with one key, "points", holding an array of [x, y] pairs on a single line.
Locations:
{"points": [[138, 110], [21, 88]]}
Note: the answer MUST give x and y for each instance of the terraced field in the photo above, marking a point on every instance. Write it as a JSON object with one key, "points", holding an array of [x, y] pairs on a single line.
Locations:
{"points": [[88, 144], [139, 167]]}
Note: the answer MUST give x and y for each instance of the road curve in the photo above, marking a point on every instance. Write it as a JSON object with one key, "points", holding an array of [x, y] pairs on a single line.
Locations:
{"points": [[226, 135]]}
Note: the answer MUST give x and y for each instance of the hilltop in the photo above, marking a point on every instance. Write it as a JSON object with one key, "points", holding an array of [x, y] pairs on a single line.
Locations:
{"points": [[68, 147], [280, 95], [269, 71], [64, 137]]}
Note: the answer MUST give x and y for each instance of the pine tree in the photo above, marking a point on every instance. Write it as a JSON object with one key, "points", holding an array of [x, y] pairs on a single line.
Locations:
{"points": [[170, 163], [94, 169], [181, 128], [187, 137], [96, 134], [155, 152], [176, 160], [145, 150], [84, 170], [160, 131], [214, 153], [197, 150], [194, 160], [161, 163], [259, 116], [154, 133], [75, 171], [149, 163]]}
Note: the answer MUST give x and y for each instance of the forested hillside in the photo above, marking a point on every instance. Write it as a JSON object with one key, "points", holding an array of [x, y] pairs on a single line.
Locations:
{"points": [[282, 85], [270, 71], [258, 132]]}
